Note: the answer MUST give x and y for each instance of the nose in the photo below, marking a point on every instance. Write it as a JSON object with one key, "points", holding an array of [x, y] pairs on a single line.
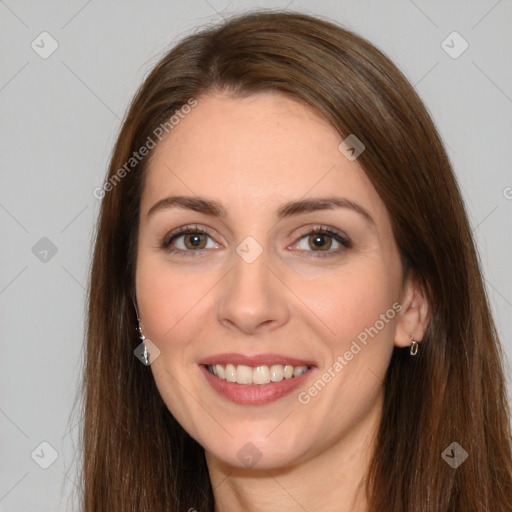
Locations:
{"points": [[254, 298]]}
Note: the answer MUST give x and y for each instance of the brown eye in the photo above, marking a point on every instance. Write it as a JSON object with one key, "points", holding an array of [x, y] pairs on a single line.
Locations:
{"points": [[188, 241], [194, 240], [319, 241]]}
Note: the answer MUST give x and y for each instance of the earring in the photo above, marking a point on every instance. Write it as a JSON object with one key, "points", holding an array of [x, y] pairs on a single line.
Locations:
{"points": [[414, 347], [142, 338], [145, 355]]}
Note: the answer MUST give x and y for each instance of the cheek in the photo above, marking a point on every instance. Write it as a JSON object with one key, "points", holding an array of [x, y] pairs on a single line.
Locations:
{"points": [[357, 314], [350, 300], [170, 300], [160, 296]]}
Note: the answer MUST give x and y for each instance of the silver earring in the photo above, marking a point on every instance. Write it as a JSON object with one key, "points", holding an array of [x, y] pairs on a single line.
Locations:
{"points": [[142, 338], [414, 347]]}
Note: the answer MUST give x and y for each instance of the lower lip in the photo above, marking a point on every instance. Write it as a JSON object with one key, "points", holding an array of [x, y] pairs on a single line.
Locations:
{"points": [[260, 394]]}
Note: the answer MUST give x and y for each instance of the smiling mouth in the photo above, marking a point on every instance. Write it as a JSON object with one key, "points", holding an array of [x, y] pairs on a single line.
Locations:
{"points": [[257, 375]]}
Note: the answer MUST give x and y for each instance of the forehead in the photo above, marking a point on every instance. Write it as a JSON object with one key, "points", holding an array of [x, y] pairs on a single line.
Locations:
{"points": [[254, 151]]}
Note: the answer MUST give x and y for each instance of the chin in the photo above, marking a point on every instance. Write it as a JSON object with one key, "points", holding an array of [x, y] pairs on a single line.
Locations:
{"points": [[251, 457], [257, 449]]}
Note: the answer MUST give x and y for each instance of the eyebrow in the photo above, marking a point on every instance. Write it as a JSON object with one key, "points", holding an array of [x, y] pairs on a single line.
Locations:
{"points": [[289, 209]]}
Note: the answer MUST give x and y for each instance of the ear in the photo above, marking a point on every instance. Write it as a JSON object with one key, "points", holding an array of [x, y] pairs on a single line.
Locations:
{"points": [[413, 318]]}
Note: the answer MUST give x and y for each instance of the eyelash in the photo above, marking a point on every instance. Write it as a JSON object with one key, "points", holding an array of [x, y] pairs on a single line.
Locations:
{"points": [[324, 230]]}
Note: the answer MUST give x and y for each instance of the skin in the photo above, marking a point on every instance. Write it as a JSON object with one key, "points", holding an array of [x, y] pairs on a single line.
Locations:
{"points": [[253, 154]]}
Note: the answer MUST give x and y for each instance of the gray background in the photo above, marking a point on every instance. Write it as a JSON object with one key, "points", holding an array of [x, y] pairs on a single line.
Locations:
{"points": [[59, 119]]}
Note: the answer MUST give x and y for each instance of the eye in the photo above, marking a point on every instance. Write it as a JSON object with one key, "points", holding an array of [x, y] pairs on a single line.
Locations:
{"points": [[321, 240], [193, 240]]}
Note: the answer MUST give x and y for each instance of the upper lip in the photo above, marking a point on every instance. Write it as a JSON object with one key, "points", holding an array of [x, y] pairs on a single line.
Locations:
{"points": [[255, 360]]}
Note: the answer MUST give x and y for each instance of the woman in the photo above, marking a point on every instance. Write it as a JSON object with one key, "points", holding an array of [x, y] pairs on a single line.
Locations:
{"points": [[283, 244]]}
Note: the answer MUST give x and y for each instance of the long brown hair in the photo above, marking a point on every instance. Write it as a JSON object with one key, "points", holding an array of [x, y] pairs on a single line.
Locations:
{"points": [[136, 457]]}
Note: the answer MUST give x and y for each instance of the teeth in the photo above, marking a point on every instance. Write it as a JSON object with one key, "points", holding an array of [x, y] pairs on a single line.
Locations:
{"points": [[219, 371], [243, 374], [288, 371], [297, 372], [276, 373], [261, 375], [230, 373]]}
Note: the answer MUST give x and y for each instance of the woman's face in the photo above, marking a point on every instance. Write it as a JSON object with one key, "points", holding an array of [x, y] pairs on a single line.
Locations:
{"points": [[254, 289]]}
